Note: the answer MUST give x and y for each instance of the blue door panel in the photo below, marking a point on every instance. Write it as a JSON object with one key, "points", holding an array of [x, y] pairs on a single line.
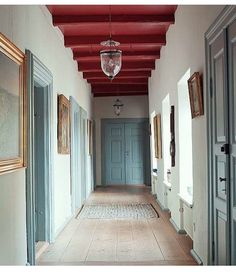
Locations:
{"points": [[134, 155], [114, 153], [124, 153]]}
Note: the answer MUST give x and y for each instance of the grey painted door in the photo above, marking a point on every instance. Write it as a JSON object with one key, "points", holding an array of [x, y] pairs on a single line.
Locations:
{"points": [[39, 159], [114, 154], [83, 150], [75, 156], [125, 145], [232, 91], [220, 154], [134, 153]]}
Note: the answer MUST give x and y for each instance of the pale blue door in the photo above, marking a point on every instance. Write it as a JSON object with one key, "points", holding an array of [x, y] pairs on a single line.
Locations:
{"points": [[114, 154], [134, 153], [124, 148]]}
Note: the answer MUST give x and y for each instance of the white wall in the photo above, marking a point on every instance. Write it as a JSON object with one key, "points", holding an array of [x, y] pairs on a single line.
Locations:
{"points": [[30, 27], [134, 107], [185, 50]]}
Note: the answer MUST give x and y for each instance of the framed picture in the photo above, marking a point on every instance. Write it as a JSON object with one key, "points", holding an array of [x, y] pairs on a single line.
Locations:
{"points": [[157, 136], [195, 95], [90, 136], [172, 135], [63, 125], [12, 107]]}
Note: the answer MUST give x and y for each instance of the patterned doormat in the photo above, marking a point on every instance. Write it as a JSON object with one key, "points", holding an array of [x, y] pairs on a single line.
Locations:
{"points": [[113, 211]]}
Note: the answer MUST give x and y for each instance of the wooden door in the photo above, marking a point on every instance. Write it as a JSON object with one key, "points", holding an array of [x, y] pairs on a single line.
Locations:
{"points": [[134, 153], [232, 122], [220, 154], [114, 154]]}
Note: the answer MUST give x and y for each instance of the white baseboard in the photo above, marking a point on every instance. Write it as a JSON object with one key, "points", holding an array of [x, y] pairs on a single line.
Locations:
{"points": [[196, 257], [178, 230]]}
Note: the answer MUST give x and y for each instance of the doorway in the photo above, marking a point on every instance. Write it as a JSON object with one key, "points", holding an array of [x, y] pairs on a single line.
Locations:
{"points": [[221, 106], [76, 181], [84, 154], [39, 173], [125, 152]]}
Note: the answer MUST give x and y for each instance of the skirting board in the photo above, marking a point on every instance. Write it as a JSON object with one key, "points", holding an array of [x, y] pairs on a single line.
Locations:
{"points": [[180, 231], [196, 257], [161, 206]]}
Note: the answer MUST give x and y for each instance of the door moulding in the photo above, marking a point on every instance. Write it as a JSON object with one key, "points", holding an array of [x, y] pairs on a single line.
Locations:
{"points": [[38, 73]]}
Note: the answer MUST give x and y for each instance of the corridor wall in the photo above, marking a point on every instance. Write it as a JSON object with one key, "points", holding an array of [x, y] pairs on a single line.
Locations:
{"points": [[185, 50], [30, 27]]}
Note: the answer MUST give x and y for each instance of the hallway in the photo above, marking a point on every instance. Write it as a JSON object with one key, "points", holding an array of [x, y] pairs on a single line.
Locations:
{"points": [[120, 241]]}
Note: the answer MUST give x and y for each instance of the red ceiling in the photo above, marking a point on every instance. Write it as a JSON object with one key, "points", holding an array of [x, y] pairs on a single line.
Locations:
{"points": [[140, 29]]}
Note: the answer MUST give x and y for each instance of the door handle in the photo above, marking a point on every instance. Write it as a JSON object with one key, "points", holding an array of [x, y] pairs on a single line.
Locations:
{"points": [[225, 148], [222, 179]]}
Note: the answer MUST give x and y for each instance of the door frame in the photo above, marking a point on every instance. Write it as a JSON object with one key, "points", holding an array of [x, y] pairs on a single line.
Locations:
{"points": [[38, 72], [106, 121], [75, 145], [227, 16], [84, 154]]}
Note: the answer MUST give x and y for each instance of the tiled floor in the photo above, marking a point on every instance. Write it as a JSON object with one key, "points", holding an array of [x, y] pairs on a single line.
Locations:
{"points": [[120, 241]]}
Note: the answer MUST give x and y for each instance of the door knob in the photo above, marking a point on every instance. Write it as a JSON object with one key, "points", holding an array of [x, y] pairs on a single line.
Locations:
{"points": [[225, 148], [222, 179]]}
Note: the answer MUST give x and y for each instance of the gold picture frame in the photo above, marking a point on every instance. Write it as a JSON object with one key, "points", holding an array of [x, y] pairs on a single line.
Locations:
{"points": [[63, 125], [195, 95], [12, 107], [157, 136]]}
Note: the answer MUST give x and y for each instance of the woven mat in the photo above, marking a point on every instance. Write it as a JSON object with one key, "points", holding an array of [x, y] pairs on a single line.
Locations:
{"points": [[113, 211]]}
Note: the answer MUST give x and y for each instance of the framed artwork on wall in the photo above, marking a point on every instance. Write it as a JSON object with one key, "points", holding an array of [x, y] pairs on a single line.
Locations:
{"points": [[63, 125], [157, 136], [195, 95], [172, 135], [12, 107]]}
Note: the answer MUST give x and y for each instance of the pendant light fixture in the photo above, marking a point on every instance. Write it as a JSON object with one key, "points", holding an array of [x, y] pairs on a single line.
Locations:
{"points": [[110, 58], [117, 107]]}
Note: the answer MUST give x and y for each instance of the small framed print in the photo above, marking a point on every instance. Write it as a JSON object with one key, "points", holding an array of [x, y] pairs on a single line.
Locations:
{"points": [[195, 95], [63, 125]]}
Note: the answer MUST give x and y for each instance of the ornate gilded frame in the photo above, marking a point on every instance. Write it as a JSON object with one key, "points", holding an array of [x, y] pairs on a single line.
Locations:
{"points": [[157, 136], [195, 95], [8, 49], [63, 125]]}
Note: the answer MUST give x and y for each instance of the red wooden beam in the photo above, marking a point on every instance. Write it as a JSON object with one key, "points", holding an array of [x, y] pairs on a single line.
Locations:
{"points": [[119, 81], [150, 54], [124, 58], [96, 66], [76, 41], [122, 74], [59, 20], [120, 94], [118, 88]]}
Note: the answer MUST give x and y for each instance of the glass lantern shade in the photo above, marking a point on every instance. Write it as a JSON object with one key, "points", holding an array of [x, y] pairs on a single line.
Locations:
{"points": [[117, 107], [111, 62]]}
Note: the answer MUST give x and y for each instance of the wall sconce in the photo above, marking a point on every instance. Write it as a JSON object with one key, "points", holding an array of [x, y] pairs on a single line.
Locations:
{"points": [[117, 107]]}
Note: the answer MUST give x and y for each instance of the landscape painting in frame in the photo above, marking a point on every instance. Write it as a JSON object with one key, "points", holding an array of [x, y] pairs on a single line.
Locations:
{"points": [[63, 125], [12, 107]]}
